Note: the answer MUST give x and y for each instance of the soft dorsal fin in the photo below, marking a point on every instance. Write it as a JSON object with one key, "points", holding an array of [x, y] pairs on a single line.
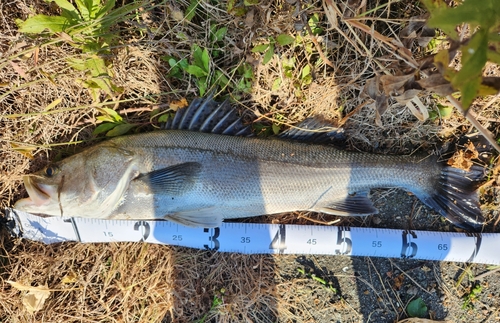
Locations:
{"points": [[207, 115], [316, 130]]}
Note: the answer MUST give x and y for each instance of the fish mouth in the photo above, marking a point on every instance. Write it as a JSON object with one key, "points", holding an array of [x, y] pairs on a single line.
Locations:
{"points": [[39, 194]]}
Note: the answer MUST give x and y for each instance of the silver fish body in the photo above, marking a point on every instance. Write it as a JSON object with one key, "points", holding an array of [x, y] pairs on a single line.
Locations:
{"points": [[200, 179], [241, 177]]}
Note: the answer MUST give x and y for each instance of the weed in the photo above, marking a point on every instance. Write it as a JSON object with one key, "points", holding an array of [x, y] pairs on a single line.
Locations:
{"points": [[202, 68], [88, 27], [471, 297], [268, 48], [482, 46], [112, 123], [323, 282], [216, 302], [417, 308]]}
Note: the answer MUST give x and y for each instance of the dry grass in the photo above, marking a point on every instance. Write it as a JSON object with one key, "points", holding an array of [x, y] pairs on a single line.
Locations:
{"points": [[148, 283]]}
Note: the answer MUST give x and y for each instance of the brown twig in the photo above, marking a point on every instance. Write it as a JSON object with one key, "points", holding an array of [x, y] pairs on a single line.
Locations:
{"points": [[469, 115], [316, 44]]}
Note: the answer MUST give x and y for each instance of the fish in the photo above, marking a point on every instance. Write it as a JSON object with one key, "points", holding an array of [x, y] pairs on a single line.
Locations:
{"points": [[206, 166]]}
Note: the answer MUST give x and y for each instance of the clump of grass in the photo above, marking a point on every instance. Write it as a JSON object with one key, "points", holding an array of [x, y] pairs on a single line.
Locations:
{"points": [[107, 282]]}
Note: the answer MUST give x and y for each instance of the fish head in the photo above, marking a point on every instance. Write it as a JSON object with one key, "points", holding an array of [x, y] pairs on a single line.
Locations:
{"points": [[91, 183]]}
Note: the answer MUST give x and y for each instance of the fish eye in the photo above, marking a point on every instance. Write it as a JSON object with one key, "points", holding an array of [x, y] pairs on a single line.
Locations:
{"points": [[51, 171]]}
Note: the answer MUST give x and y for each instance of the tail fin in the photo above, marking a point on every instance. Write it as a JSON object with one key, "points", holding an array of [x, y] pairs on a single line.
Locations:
{"points": [[457, 199]]}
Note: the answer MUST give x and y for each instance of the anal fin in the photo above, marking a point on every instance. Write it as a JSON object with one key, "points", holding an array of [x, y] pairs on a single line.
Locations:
{"points": [[351, 205]]}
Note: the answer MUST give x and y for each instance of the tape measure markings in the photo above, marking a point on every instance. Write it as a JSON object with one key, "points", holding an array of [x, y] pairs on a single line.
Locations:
{"points": [[252, 238]]}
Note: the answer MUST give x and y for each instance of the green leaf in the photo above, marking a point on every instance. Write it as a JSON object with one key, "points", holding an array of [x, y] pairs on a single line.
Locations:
{"points": [[469, 92], [285, 39], [205, 58], [469, 11], [202, 85], [39, 23], [276, 84], [201, 58], [417, 308], [196, 71], [306, 71], [246, 70], [103, 127], [172, 62], [220, 33], [120, 129], [288, 64], [269, 54], [469, 78], [221, 79], [493, 56], [260, 48], [113, 114], [84, 10], [230, 5], [77, 63], [276, 129], [97, 66], [183, 63], [249, 3], [108, 5], [68, 10], [164, 117], [445, 111], [191, 10]]}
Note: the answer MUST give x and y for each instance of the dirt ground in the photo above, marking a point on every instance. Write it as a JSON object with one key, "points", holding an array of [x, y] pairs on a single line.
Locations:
{"points": [[48, 112]]}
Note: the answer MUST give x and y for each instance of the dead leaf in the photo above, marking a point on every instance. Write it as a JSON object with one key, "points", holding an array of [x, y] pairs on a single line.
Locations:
{"points": [[371, 88], [249, 18], [462, 159], [179, 104], [394, 85], [418, 109], [426, 36], [398, 281], [53, 104], [35, 57], [436, 83], [35, 297], [24, 150], [70, 278], [19, 70], [417, 30], [330, 12], [381, 105], [407, 96]]}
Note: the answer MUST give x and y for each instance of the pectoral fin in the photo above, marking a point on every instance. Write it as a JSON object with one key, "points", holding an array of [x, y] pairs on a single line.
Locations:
{"points": [[352, 205], [207, 217], [173, 180]]}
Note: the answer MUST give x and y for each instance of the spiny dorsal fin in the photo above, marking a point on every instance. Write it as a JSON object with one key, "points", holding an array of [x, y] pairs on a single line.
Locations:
{"points": [[207, 115], [316, 130]]}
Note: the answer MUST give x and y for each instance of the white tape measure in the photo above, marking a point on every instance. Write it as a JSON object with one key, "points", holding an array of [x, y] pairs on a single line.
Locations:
{"points": [[266, 238]]}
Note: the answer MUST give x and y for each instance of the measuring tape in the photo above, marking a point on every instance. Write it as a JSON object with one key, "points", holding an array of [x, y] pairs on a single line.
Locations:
{"points": [[251, 238]]}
